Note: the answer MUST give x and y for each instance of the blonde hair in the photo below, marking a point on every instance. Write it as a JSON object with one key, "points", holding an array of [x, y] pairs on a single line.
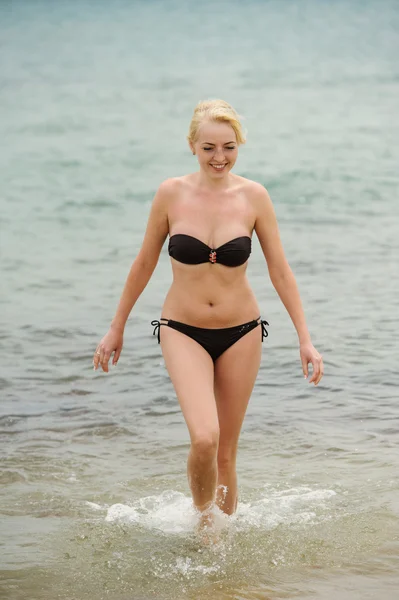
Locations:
{"points": [[215, 110]]}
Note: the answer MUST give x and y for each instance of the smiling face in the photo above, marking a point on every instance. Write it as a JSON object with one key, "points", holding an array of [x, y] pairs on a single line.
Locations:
{"points": [[216, 148]]}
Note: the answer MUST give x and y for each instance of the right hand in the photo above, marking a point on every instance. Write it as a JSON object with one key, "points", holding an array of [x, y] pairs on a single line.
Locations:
{"points": [[111, 342]]}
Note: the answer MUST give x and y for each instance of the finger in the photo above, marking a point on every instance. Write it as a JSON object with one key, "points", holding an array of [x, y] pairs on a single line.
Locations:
{"points": [[315, 373], [96, 359], [321, 373], [104, 360], [316, 369], [304, 366], [117, 354], [101, 357]]}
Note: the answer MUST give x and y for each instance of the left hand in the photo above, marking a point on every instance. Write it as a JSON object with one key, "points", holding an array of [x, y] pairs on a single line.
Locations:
{"points": [[309, 354]]}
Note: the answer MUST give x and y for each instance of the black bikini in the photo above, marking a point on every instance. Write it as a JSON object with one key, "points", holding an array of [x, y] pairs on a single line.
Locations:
{"points": [[214, 341], [192, 251]]}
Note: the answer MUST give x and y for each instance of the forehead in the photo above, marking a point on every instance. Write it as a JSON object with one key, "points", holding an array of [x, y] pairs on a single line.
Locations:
{"points": [[216, 132]]}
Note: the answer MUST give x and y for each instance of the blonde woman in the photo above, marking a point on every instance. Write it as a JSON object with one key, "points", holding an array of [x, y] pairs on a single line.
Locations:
{"points": [[210, 330]]}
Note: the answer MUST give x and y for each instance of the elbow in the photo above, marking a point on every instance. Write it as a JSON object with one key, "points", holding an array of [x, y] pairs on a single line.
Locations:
{"points": [[280, 274], [146, 264]]}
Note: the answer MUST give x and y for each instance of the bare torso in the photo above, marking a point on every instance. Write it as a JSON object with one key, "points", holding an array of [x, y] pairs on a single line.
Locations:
{"points": [[211, 295]]}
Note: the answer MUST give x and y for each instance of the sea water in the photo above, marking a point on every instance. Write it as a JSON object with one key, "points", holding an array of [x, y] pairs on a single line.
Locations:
{"points": [[95, 102]]}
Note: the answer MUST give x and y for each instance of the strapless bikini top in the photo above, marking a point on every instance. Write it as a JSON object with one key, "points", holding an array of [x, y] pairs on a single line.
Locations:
{"points": [[191, 251]]}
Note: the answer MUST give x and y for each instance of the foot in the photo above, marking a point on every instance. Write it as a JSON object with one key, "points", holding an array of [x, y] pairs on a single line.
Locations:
{"points": [[206, 528]]}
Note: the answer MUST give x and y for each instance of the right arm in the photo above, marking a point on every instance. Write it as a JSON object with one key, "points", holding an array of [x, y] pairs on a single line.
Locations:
{"points": [[147, 259], [139, 274]]}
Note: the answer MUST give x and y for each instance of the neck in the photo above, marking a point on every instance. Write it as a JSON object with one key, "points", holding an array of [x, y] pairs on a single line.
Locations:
{"points": [[214, 183]]}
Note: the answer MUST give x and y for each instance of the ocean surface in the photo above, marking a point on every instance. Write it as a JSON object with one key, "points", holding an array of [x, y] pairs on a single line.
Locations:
{"points": [[95, 102]]}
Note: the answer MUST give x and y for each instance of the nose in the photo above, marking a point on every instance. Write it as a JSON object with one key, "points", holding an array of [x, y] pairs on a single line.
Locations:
{"points": [[219, 155]]}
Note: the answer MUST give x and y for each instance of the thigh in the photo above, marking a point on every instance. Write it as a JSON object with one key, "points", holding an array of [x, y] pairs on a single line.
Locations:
{"points": [[191, 371], [235, 374]]}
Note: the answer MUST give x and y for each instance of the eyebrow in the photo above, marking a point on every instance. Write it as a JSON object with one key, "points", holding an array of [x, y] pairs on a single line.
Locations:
{"points": [[211, 144]]}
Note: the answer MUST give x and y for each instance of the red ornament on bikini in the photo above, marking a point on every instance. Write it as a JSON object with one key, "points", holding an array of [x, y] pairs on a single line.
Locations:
{"points": [[212, 256]]}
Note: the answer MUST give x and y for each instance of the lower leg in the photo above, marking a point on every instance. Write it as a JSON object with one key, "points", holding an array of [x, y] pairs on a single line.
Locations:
{"points": [[227, 487], [202, 473]]}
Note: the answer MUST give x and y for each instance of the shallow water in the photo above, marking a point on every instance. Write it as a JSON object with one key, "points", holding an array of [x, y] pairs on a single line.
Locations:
{"points": [[94, 105]]}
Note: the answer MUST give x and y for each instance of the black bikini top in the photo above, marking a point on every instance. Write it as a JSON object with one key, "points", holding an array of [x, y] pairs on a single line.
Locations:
{"points": [[191, 251]]}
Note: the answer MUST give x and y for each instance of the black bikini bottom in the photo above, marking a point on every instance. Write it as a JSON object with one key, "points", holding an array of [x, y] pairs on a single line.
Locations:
{"points": [[214, 341]]}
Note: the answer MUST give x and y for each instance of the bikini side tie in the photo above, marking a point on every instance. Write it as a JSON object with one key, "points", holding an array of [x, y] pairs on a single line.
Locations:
{"points": [[265, 333], [157, 327]]}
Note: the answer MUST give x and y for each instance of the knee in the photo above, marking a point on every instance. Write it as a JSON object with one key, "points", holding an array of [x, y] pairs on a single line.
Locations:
{"points": [[227, 458], [205, 445]]}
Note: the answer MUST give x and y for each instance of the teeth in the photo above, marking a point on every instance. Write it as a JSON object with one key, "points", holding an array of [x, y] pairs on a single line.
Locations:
{"points": [[220, 167]]}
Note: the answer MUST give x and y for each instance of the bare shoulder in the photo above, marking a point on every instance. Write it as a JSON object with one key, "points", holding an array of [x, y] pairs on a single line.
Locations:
{"points": [[167, 191], [256, 190], [169, 186], [256, 193], [173, 186]]}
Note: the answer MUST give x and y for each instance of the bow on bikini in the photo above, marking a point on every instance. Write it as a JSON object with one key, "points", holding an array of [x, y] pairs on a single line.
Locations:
{"points": [[265, 333]]}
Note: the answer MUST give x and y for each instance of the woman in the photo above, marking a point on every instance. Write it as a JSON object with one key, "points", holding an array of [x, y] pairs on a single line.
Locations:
{"points": [[210, 330]]}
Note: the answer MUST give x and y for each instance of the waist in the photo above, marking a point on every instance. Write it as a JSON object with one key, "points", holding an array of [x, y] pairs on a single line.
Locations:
{"points": [[220, 307]]}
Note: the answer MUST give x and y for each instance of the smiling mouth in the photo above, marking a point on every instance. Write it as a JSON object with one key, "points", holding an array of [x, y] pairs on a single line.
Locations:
{"points": [[219, 167]]}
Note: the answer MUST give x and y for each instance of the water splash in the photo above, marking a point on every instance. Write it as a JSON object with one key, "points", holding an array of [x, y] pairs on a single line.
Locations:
{"points": [[172, 512]]}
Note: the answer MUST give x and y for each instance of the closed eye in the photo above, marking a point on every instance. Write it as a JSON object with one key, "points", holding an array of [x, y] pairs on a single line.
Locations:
{"points": [[227, 148]]}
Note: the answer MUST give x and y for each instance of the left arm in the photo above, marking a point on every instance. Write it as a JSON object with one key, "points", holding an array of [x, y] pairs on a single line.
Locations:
{"points": [[283, 279]]}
